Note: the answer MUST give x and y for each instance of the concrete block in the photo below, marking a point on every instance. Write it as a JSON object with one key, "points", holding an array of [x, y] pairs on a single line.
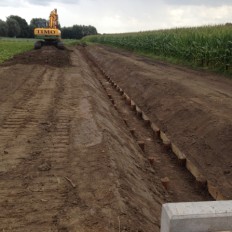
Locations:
{"points": [[146, 119], [125, 96], [214, 191], [139, 112], [128, 100], [201, 182], [195, 172], [155, 129], [197, 217], [180, 155], [165, 139], [133, 105]]}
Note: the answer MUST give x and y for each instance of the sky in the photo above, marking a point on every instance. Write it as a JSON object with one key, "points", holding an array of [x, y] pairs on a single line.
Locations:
{"points": [[118, 16]]}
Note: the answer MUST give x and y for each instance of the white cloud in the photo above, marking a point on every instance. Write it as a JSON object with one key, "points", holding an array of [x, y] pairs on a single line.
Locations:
{"points": [[199, 2], [123, 15], [186, 15], [12, 3]]}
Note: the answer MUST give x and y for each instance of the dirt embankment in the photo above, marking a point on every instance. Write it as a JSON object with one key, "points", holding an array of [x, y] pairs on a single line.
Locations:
{"points": [[49, 55], [68, 163], [194, 108], [68, 159]]}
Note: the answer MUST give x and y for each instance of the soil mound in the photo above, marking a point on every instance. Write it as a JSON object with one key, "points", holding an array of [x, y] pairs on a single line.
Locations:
{"points": [[47, 55]]}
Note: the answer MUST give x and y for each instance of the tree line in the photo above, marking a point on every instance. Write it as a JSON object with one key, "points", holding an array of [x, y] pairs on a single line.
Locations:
{"points": [[15, 26]]}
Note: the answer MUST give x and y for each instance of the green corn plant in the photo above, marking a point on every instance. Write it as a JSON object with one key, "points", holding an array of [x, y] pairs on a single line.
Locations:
{"points": [[207, 46]]}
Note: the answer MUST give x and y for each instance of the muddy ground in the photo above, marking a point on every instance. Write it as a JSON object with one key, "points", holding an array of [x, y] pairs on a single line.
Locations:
{"points": [[194, 108], [68, 159], [48, 56], [68, 163]]}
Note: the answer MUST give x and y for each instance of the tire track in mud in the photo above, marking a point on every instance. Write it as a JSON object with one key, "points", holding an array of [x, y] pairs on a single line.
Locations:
{"points": [[179, 183], [23, 121], [36, 188], [13, 95], [45, 172], [24, 166]]}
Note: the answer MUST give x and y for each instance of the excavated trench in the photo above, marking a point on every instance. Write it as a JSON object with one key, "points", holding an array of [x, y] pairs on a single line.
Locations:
{"points": [[76, 154], [192, 110]]}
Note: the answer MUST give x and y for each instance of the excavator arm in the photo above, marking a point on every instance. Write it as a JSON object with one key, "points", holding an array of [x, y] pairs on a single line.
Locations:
{"points": [[53, 19]]}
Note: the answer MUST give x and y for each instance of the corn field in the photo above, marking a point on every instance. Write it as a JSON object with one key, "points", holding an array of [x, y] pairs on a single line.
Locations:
{"points": [[208, 46]]}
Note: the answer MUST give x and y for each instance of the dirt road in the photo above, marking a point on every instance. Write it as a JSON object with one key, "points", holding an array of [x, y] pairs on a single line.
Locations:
{"points": [[68, 159], [68, 163]]}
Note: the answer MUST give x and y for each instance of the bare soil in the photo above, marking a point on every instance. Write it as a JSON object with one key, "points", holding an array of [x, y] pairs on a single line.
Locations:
{"points": [[68, 160], [194, 108], [46, 56]]}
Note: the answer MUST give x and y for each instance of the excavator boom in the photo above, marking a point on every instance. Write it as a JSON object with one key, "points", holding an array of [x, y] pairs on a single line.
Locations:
{"points": [[53, 19]]}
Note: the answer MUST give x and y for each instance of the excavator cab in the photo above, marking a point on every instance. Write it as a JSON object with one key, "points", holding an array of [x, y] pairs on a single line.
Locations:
{"points": [[49, 35]]}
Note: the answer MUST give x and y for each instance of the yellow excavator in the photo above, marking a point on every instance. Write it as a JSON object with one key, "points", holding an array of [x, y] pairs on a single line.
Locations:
{"points": [[50, 34]]}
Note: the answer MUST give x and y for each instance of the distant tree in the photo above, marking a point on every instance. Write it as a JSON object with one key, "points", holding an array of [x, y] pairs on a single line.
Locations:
{"points": [[3, 28], [31, 31], [89, 30], [24, 28], [38, 22], [67, 32], [77, 31], [13, 27]]}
